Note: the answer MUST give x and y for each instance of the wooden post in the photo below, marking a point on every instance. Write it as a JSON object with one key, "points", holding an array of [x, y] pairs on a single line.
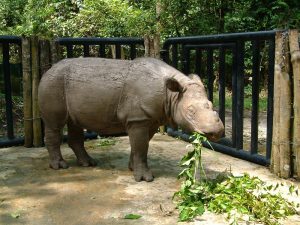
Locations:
{"points": [[55, 53], [285, 111], [44, 56], [275, 159], [295, 58], [37, 126], [281, 150], [27, 91], [147, 46]]}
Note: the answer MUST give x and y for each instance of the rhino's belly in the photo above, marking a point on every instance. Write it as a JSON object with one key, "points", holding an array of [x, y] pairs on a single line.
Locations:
{"points": [[93, 104]]}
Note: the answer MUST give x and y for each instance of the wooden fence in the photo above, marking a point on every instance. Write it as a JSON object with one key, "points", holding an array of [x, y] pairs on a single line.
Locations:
{"points": [[37, 57], [286, 120]]}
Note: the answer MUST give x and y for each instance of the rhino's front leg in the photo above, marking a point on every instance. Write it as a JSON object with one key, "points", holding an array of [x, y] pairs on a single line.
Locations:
{"points": [[139, 142]]}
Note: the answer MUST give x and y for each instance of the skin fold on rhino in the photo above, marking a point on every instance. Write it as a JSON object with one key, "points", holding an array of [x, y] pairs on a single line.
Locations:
{"points": [[111, 96]]}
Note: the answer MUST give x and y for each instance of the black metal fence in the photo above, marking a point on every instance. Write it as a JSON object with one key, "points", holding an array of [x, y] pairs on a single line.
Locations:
{"points": [[7, 115], [186, 54], [101, 45], [198, 54]]}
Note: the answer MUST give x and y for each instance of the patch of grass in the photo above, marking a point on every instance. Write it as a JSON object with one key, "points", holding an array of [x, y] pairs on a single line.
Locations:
{"points": [[242, 198], [106, 142], [247, 101]]}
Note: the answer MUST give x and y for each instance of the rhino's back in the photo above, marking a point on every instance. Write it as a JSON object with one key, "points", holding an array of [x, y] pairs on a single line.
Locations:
{"points": [[93, 88]]}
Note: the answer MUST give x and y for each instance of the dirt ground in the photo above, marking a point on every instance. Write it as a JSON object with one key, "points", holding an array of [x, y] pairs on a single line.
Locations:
{"points": [[31, 193]]}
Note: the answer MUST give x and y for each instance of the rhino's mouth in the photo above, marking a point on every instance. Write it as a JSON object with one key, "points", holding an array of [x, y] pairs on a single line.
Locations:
{"points": [[211, 136]]}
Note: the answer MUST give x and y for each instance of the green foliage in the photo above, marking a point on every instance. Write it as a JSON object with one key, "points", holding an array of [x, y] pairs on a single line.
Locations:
{"points": [[52, 18], [132, 216], [242, 198], [78, 18], [106, 142], [262, 103]]}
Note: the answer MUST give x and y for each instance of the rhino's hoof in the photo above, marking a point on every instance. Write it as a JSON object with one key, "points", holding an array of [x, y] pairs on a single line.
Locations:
{"points": [[57, 164], [145, 175], [86, 163]]}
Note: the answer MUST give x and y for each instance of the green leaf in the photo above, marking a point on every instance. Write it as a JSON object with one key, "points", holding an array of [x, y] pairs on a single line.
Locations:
{"points": [[15, 215], [132, 216], [291, 189]]}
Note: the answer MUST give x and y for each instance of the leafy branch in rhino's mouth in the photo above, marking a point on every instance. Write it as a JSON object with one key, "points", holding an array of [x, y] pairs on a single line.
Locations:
{"points": [[242, 198]]}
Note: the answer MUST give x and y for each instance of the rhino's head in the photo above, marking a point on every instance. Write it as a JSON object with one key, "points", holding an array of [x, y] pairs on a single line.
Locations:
{"points": [[192, 110]]}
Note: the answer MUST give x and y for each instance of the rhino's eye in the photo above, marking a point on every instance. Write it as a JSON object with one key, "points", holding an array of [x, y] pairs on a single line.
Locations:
{"points": [[191, 109]]}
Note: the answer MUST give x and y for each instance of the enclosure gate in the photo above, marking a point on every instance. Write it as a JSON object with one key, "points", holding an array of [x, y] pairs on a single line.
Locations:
{"points": [[177, 52]]}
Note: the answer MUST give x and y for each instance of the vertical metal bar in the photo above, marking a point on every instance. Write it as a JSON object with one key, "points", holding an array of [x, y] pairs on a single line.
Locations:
{"points": [[210, 74], [7, 88], [181, 61], [175, 55], [164, 53], [222, 84], [86, 50], [271, 59], [102, 50], [186, 60], [234, 95], [255, 95], [118, 51], [69, 51], [240, 94], [132, 51], [198, 62]]}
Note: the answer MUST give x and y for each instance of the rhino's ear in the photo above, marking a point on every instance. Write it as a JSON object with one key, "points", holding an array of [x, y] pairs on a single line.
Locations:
{"points": [[195, 78], [173, 85]]}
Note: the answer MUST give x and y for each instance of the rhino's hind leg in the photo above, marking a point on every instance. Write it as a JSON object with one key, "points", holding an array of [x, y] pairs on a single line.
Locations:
{"points": [[139, 141], [76, 142], [53, 141]]}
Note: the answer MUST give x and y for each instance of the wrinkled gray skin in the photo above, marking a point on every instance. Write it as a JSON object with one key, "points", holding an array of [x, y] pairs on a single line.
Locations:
{"points": [[111, 96]]}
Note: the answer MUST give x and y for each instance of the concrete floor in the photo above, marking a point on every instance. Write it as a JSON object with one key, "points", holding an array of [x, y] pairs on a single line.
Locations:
{"points": [[103, 195]]}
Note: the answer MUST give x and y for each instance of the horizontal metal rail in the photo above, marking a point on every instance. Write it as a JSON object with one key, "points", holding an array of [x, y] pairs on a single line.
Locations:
{"points": [[219, 38], [96, 41], [219, 147], [10, 39]]}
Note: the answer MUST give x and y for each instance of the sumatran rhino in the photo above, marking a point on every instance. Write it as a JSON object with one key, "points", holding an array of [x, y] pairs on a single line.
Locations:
{"points": [[111, 96]]}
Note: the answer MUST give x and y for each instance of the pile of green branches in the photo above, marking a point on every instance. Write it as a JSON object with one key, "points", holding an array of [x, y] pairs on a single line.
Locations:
{"points": [[242, 198]]}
